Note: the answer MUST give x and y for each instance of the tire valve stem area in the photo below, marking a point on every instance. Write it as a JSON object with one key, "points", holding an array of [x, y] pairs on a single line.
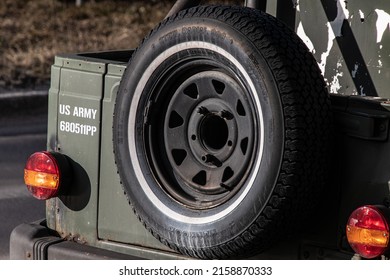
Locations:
{"points": [[226, 187]]}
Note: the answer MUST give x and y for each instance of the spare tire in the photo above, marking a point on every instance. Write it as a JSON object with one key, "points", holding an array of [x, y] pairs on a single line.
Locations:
{"points": [[221, 131]]}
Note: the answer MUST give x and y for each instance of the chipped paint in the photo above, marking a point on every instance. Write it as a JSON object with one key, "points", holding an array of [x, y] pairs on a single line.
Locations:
{"points": [[362, 18], [296, 5], [342, 14], [357, 33], [334, 85], [301, 33], [362, 91], [382, 24], [324, 55], [334, 30], [355, 70]]}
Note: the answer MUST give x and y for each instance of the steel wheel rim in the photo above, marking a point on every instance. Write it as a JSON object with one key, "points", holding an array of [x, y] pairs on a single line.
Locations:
{"points": [[207, 124]]}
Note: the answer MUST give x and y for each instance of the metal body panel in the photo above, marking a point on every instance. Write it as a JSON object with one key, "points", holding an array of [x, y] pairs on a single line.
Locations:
{"points": [[76, 134], [351, 42], [95, 211], [117, 222], [362, 147]]}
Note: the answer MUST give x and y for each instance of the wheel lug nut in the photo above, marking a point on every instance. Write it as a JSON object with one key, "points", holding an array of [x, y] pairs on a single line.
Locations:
{"points": [[203, 111], [226, 115]]}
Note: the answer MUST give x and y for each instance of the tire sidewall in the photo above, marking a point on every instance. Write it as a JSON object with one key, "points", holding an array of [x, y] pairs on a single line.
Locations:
{"points": [[198, 229]]}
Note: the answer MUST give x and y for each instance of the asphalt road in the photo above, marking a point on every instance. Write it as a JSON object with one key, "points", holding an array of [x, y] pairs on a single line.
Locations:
{"points": [[20, 135]]}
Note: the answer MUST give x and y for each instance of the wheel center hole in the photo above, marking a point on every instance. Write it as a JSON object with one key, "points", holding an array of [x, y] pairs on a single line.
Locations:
{"points": [[214, 132]]}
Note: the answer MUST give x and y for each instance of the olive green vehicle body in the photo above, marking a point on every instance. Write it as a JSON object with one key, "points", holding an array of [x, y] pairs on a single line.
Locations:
{"points": [[96, 215], [351, 42]]}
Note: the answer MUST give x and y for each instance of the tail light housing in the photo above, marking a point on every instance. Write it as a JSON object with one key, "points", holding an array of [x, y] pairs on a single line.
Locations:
{"points": [[368, 231], [45, 173]]}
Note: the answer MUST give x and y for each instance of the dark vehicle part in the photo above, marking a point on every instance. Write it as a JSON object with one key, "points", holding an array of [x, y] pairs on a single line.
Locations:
{"points": [[182, 5], [35, 241], [221, 131], [256, 4]]}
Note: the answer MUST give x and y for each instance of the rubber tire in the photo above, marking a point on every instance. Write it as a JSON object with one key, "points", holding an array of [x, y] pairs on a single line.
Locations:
{"points": [[294, 105]]}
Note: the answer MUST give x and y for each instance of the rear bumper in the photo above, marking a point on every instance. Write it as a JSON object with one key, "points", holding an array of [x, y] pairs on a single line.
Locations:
{"points": [[35, 241]]}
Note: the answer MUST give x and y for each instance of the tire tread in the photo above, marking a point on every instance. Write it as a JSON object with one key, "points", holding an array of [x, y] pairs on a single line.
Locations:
{"points": [[307, 129]]}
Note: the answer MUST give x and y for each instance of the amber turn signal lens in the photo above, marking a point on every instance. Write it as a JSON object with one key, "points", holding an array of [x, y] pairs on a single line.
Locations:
{"points": [[368, 232], [42, 175]]}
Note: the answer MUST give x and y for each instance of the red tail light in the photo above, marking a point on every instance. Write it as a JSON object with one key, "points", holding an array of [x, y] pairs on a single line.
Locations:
{"points": [[368, 232], [42, 175]]}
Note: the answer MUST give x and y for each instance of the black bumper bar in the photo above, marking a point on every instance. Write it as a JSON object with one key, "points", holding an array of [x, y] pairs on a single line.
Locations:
{"points": [[36, 242]]}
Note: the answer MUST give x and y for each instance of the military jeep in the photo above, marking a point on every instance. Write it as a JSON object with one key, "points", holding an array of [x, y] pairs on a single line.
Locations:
{"points": [[253, 131]]}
